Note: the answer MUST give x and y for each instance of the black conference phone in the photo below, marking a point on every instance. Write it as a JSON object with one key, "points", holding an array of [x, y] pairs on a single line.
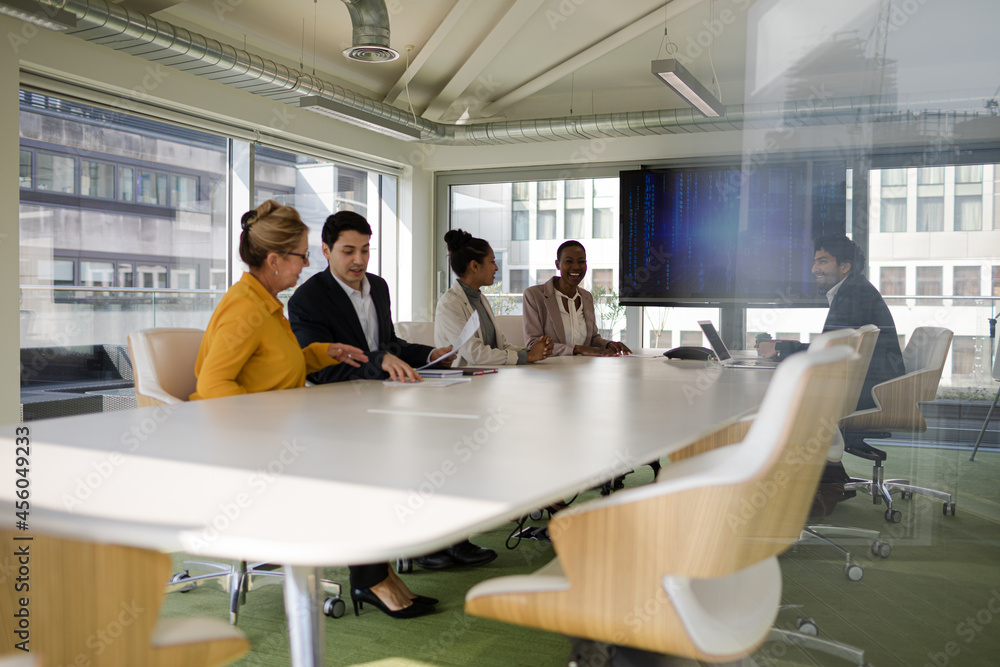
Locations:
{"points": [[690, 352]]}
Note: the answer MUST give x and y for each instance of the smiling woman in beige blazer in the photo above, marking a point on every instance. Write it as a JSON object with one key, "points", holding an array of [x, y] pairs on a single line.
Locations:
{"points": [[564, 311]]}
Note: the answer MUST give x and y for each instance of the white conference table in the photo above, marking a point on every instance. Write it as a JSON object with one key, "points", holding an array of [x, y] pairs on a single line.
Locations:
{"points": [[365, 472]]}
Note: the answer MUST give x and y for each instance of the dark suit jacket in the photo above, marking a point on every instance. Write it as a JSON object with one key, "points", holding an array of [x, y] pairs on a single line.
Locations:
{"points": [[320, 312], [856, 304]]}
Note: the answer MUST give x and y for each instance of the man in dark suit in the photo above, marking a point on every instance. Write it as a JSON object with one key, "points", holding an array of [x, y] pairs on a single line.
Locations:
{"points": [[838, 264], [347, 304]]}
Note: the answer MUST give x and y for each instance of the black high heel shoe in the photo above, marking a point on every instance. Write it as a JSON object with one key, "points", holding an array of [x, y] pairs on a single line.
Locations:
{"points": [[361, 595], [424, 600]]}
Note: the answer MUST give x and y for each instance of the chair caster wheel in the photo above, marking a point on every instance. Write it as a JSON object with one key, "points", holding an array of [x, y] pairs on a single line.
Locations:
{"points": [[854, 572], [179, 577], [536, 515], [905, 495], [881, 549], [949, 508], [334, 607], [404, 565], [807, 626], [893, 516]]}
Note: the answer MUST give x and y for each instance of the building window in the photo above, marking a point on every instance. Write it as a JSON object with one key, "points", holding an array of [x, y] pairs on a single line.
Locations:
{"points": [[543, 275], [576, 189], [603, 223], [968, 213], [967, 281], [97, 274], [126, 183], [185, 191], [930, 199], [929, 283], [969, 198], [660, 338], [518, 280], [892, 282], [548, 189], [152, 188], [97, 179], [603, 278], [184, 277], [545, 226], [24, 176], [152, 277], [56, 173], [963, 355], [574, 223], [996, 281], [893, 216], [695, 338], [519, 226], [522, 191], [56, 272]]}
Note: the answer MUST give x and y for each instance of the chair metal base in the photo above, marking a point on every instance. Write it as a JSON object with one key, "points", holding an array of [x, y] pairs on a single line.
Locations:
{"points": [[822, 533], [239, 578], [881, 489], [811, 642]]}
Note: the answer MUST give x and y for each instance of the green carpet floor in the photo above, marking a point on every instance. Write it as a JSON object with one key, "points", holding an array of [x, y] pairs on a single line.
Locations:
{"points": [[935, 601]]}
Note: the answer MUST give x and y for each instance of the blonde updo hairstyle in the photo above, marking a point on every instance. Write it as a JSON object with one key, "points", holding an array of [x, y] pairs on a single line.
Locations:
{"points": [[271, 227]]}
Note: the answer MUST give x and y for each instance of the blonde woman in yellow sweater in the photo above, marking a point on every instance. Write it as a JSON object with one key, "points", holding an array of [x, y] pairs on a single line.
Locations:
{"points": [[249, 347]]}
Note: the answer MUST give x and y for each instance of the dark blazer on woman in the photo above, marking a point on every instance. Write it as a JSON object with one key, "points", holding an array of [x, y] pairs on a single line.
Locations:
{"points": [[320, 310]]}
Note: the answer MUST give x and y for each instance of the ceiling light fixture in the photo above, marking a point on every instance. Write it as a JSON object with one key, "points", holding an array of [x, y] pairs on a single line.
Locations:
{"points": [[675, 75], [358, 117], [40, 15]]}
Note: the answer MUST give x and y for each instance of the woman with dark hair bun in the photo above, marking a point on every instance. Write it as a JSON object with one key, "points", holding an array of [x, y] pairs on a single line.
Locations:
{"points": [[475, 265]]}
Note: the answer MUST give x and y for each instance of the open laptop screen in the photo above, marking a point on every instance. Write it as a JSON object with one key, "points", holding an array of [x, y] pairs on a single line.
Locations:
{"points": [[715, 340]]}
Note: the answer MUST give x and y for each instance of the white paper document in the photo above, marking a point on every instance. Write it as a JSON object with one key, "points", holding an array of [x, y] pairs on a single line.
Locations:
{"points": [[467, 332]]}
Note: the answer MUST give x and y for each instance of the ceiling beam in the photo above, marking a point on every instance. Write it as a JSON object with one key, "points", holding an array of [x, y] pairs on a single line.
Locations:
{"points": [[436, 40], [630, 32], [508, 26]]}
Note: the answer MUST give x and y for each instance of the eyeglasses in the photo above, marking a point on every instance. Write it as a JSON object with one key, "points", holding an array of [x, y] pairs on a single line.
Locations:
{"points": [[305, 257]]}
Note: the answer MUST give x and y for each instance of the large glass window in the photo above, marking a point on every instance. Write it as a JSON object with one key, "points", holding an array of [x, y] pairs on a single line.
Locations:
{"points": [[56, 173], [521, 222], [97, 179], [24, 175], [929, 283]]}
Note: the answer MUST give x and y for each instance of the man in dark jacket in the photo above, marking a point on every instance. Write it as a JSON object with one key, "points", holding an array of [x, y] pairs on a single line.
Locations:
{"points": [[854, 302]]}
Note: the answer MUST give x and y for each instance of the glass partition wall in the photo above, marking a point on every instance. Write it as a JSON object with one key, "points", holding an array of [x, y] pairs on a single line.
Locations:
{"points": [[127, 223]]}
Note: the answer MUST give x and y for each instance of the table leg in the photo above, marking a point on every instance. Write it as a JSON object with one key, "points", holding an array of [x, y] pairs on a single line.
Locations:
{"points": [[305, 622]]}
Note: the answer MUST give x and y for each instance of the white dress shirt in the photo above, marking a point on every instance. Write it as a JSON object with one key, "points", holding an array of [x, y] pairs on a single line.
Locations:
{"points": [[364, 307]]}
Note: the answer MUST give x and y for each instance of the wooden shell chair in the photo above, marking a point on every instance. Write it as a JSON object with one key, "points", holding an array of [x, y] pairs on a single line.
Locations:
{"points": [[688, 566], [102, 602]]}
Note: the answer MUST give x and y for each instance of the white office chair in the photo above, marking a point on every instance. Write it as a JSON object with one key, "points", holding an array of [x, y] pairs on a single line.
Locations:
{"points": [[702, 570], [416, 332], [512, 328], [163, 367]]}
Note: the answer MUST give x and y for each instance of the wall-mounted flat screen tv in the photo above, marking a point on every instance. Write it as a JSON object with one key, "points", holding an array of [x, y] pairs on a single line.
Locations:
{"points": [[712, 236]]}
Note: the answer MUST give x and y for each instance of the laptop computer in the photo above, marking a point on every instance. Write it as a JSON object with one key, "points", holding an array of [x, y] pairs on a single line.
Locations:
{"points": [[725, 357]]}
